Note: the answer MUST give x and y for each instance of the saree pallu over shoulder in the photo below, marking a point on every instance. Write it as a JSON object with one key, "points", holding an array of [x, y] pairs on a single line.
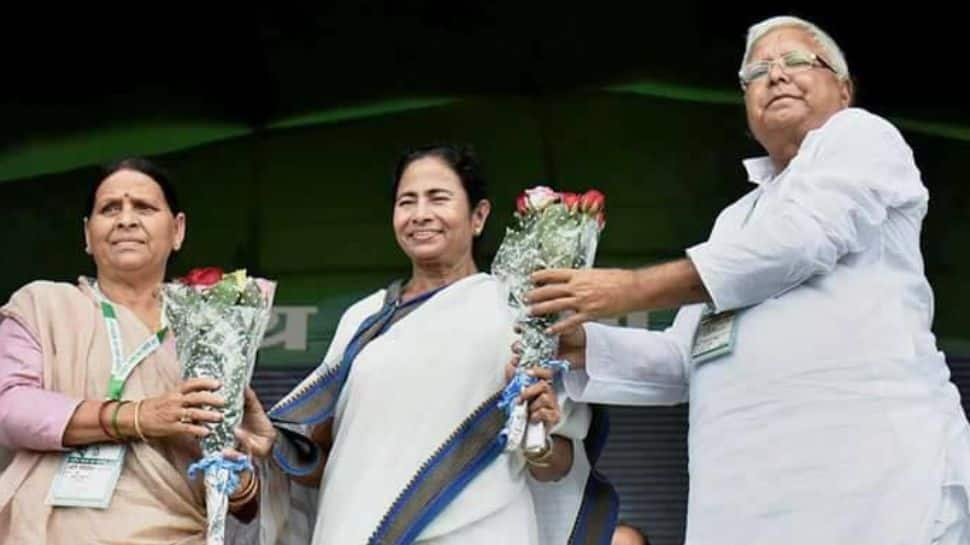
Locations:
{"points": [[153, 503], [314, 400]]}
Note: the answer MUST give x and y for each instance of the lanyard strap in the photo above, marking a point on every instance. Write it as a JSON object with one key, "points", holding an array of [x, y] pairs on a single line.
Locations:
{"points": [[122, 367]]}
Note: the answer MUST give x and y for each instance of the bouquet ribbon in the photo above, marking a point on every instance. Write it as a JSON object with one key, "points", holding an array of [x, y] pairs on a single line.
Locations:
{"points": [[218, 461]]}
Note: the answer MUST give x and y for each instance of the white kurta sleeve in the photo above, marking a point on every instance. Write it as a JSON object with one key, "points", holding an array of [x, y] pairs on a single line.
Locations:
{"points": [[630, 366], [833, 204]]}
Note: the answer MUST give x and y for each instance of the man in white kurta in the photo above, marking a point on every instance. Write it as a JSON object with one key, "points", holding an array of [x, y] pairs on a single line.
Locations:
{"points": [[829, 417]]}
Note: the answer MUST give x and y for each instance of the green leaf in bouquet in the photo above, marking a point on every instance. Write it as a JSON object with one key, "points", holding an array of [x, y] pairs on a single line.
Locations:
{"points": [[225, 292]]}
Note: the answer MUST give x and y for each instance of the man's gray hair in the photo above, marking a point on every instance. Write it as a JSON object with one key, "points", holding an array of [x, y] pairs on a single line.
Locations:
{"points": [[830, 50]]}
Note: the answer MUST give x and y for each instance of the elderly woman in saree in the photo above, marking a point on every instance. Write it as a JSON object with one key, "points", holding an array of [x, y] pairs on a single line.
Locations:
{"points": [[97, 426], [400, 427]]}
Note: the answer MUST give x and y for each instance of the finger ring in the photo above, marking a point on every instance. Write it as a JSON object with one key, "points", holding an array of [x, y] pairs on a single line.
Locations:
{"points": [[185, 416]]}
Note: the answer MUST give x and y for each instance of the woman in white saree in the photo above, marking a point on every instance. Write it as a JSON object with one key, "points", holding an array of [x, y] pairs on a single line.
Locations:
{"points": [[395, 438]]}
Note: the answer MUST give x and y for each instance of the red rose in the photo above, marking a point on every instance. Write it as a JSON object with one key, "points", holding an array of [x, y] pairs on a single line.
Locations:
{"points": [[592, 202], [571, 201], [202, 277]]}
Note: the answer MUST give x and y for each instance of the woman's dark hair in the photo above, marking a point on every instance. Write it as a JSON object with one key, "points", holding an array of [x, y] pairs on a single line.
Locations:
{"points": [[144, 166], [461, 159]]}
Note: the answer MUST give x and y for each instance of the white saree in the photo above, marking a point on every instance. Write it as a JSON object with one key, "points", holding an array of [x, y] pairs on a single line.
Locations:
{"points": [[408, 391]]}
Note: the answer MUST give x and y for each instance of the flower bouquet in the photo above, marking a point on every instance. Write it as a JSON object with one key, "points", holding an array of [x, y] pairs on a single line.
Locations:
{"points": [[219, 320], [550, 231]]}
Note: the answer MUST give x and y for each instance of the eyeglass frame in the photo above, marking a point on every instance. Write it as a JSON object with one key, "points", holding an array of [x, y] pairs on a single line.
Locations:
{"points": [[815, 61]]}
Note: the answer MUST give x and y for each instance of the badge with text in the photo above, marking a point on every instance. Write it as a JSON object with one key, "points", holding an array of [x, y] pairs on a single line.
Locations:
{"points": [[715, 335], [87, 476]]}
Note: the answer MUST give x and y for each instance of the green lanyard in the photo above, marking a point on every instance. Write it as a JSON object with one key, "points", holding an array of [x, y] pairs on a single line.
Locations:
{"points": [[122, 367]]}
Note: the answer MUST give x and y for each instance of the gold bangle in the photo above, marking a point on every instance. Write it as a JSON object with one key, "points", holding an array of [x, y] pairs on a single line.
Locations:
{"points": [[105, 426], [138, 431], [246, 490], [541, 459], [114, 421], [246, 495]]}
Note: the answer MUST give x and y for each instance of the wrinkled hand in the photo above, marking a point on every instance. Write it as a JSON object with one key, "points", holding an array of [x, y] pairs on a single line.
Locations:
{"points": [[182, 411], [255, 433], [541, 396], [590, 293], [572, 347], [543, 403]]}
